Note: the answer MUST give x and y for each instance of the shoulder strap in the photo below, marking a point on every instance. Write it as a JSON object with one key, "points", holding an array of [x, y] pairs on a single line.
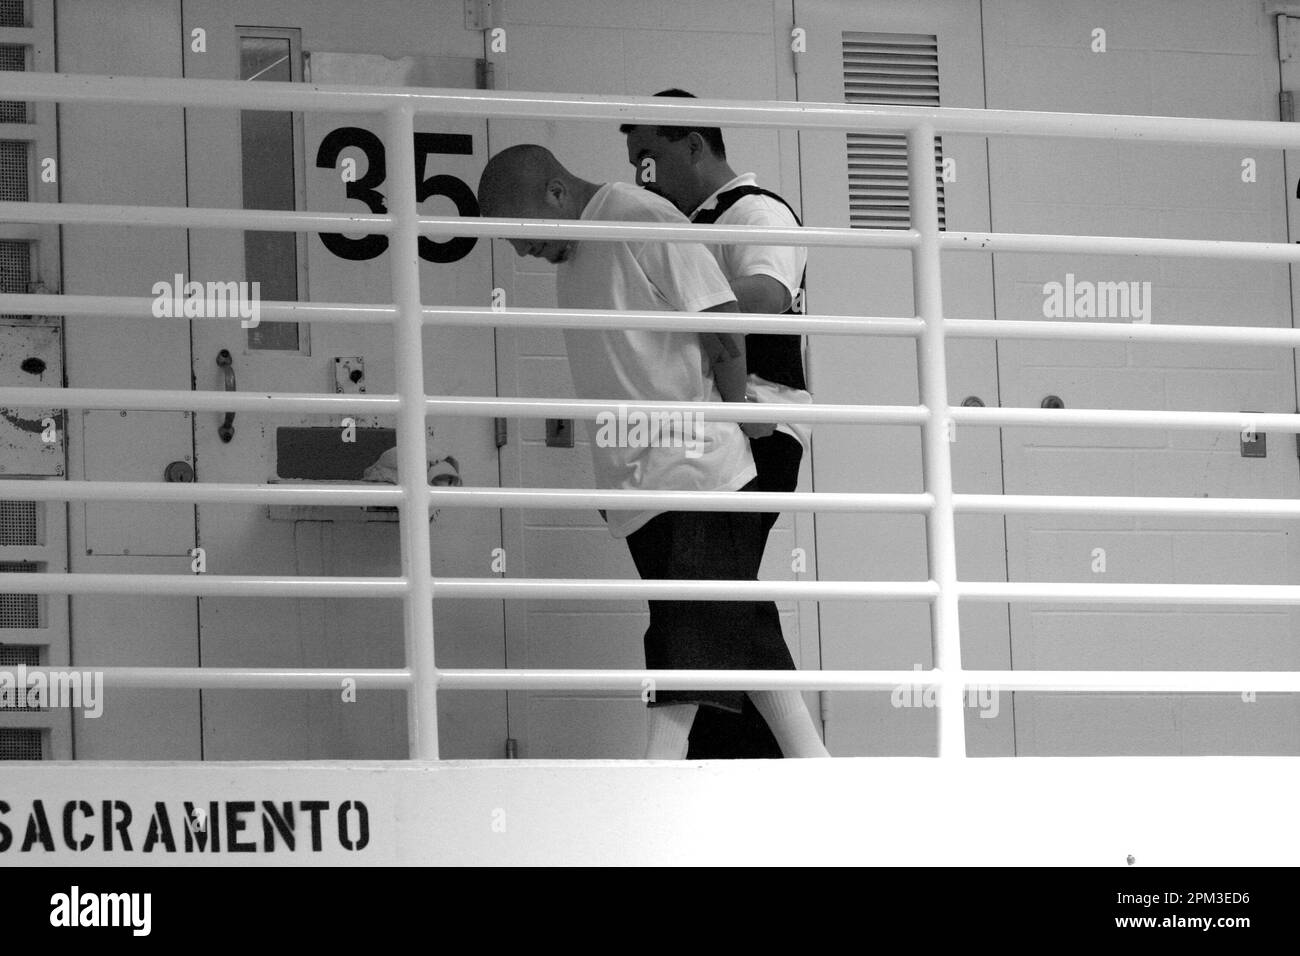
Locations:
{"points": [[732, 196]]}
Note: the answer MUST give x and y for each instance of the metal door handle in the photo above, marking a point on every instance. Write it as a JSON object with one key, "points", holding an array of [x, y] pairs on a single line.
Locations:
{"points": [[226, 430]]}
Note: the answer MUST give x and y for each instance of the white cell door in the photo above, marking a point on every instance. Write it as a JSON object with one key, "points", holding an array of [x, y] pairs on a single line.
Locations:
{"points": [[266, 159], [1144, 189], [918, 54]]}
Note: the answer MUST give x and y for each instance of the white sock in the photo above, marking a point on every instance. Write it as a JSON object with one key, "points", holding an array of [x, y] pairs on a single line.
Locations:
{"points": [[669, 731], [790, 722]]}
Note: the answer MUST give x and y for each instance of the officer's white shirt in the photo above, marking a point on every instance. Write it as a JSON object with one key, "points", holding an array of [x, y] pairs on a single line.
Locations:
{"points": [[785, 264]]}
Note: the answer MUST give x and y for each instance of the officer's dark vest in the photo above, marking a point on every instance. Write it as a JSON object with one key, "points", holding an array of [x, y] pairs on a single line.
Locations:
{"points": [[777, 358]]}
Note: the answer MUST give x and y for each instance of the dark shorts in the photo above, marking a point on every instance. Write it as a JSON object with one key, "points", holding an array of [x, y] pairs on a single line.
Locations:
{"points": [[777, 458], [708, 635]]}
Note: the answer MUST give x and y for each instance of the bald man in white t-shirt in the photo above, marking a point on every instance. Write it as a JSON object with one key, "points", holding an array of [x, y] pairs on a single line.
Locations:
{"points": [[694, 453]]}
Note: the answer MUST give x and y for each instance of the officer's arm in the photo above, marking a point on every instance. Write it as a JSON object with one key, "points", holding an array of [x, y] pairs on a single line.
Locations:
{"points": [[762, 294]]}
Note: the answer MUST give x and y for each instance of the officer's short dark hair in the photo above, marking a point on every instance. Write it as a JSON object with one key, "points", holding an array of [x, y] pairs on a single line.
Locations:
{"points": [[710, 134]]}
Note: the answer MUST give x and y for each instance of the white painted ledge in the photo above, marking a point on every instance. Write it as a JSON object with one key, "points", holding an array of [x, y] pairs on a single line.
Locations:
{"points": [[1091, 811]]}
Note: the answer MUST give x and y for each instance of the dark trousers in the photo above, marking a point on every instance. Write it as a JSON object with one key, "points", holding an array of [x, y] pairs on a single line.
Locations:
{"points": [[707, 635], [718, 734]]}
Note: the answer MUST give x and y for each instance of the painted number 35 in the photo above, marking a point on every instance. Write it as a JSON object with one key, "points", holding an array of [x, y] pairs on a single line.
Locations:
{"points": [[366, 190]]}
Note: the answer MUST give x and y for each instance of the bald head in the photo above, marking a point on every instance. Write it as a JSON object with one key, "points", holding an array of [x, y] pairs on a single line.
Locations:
{"points": [[515, 179], [528, 182]]}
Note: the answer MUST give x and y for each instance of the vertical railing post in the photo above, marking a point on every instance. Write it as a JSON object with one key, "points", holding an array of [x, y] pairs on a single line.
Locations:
{"points": [[936, 437], [412, 454]]}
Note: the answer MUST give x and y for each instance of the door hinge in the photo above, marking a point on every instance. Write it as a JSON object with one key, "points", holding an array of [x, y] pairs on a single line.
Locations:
{"points": [[1286, 106], [480, 14], [502, 431], [824, 698], [512, 748]]}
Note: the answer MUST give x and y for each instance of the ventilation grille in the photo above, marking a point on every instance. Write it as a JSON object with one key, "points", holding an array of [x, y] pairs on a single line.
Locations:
{"points": [[20, 743], [11, 655], [12, 58], [19, 610], [899, 69], [18, 523], [15, 265], [13, 13], [13, 171], [15, 269]]}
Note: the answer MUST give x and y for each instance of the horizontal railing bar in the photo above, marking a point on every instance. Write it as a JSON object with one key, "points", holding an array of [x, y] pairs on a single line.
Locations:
{"points": [[139, 399], [193, 217], [449, 405], [1148, 593], [840, 236], [578, 499], [375, 313], [344, 312], [634, 682], [1117, 504], [559, 589], [624, 589], [1125, 418], [202, 585], [1222, 682], [1175, 334], [252, 678], [617, 109], [563, 589], [587, 409], [141, 307], [1118, 245], [288, 493], [673, 321], [547, 229]]}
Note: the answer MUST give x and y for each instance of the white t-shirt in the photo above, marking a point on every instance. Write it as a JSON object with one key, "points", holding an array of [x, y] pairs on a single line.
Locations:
{"points": [[693, 452], [783, 263]]}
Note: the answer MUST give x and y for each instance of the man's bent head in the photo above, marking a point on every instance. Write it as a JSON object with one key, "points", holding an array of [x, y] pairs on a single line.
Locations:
{"points": [[677, 162], [528, 182]]}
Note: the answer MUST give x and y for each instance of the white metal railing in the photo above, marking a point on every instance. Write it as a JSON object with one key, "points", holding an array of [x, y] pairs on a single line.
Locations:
{"points": [[933, 415]]}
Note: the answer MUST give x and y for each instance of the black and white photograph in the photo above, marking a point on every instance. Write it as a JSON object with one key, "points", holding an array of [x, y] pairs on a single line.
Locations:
{"points": [[651, 433]]}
